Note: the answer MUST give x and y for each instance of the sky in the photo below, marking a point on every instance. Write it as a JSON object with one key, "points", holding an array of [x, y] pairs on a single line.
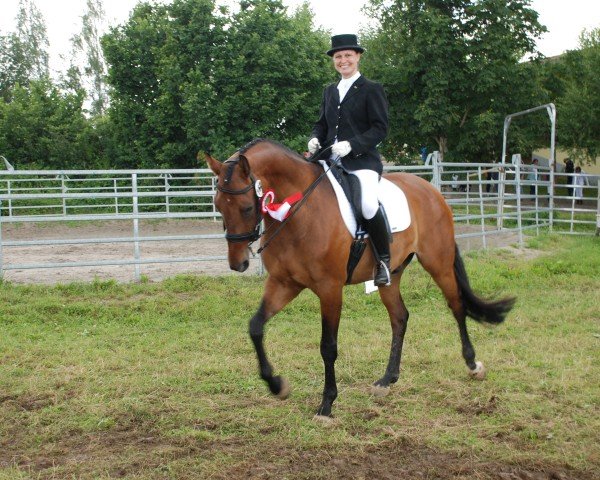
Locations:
{"points": [[565, 19]]}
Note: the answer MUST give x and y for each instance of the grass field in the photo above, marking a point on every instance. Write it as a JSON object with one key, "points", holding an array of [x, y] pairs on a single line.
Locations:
{"points": [[159, 380]]}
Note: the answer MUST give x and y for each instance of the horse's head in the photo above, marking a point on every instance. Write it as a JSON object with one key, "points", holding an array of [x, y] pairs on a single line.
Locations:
{"points": [[238, 203]]}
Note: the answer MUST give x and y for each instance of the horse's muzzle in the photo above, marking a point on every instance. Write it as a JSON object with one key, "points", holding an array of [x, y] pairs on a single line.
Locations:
{"points": [[240, 267]]}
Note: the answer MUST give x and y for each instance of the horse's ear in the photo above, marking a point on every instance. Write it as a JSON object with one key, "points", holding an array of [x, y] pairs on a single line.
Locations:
{"points": [[213, 164], [244, 165]]}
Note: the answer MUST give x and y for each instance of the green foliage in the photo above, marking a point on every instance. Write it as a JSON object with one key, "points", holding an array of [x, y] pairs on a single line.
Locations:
{"points": [[452, 71], [44, 127], [186, 78], [23, 53], [579, 107], [267, 81], [87, 42]]}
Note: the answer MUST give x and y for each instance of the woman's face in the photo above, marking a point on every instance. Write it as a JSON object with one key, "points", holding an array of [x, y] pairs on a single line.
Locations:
{"points": [[346, 62]]}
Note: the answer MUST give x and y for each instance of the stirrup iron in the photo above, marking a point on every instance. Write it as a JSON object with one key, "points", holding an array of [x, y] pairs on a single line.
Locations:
{"points": [[382, 277]]}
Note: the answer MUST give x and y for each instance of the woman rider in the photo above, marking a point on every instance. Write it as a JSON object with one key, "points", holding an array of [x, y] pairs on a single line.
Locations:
{"points": [[353, 120]]}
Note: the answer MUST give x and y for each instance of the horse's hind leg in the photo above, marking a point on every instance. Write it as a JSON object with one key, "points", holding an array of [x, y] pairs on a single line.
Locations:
{"points": [[277, 296], [392, 299], [442, 271]]}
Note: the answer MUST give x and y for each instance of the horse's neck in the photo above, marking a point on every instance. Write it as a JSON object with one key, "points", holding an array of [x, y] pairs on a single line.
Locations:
{"points": [[283, 173]]}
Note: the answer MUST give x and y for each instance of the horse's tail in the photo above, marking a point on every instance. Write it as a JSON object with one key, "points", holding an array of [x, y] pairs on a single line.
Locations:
{"points": [[475, 307]]}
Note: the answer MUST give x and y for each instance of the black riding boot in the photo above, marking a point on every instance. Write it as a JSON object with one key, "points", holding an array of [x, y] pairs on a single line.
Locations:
{"points": [[380, 241]]}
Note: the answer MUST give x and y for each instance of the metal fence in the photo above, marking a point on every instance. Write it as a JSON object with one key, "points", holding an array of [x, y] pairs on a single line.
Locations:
{"points": [[100, 196], [488, 201]]}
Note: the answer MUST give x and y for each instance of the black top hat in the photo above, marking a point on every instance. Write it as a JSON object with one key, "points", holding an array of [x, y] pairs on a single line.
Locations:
{"points": [[344, 42]]}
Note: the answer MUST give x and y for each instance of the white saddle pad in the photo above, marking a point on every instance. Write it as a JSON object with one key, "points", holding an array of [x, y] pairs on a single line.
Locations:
{"points": [[390, 196]]}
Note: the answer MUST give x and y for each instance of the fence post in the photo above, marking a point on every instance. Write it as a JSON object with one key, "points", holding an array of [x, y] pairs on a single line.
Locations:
{"points": [[537, 190], [136, 229], [167, 188], [468, 197], [551, 110], [573, 207], [437, 170], [64, 191], [116, 191], [598, 211], [481, 207], [213, 186], [8, 191], [518, 187]]}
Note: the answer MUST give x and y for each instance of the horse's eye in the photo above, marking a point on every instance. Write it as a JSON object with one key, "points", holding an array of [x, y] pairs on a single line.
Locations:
{"points": [[247, 211]]}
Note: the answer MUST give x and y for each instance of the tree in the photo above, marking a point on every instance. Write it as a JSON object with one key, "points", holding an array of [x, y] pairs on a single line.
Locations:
{"points": [[188, 76], [23, 53], [452, 71], [149, 60], [44, 127], [87, 43], [579, 107], [268, 79]]}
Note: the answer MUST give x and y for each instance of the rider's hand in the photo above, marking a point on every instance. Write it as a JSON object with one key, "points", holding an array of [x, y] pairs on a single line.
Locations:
{"points": [[313, 145], [341, 148]]}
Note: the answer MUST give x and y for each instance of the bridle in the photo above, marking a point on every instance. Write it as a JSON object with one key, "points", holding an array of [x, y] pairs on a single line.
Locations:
{"points": [[252, 235], [255, 234]]}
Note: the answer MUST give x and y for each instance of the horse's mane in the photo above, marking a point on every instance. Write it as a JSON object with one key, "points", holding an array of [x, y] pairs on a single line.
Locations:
{"points": [[258, 141]]}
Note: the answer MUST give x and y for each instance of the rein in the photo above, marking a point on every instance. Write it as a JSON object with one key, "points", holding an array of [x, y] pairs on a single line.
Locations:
{"points": [[298, 205]]}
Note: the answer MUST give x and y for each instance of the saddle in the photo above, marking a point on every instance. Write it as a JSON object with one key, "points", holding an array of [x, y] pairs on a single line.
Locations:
{"points": [[351, 187]]}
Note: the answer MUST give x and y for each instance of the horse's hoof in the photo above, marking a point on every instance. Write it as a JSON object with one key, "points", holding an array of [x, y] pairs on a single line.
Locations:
{"points": [[379, 391], [324, 420], [285, 390], [478, 373]]}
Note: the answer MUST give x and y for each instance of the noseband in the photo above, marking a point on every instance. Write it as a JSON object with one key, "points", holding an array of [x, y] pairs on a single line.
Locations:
{"points": [[253, 235]]}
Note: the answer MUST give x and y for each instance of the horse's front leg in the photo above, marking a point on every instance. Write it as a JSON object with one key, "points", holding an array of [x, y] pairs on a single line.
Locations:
{"points": [[277, 295], [331, 307]]}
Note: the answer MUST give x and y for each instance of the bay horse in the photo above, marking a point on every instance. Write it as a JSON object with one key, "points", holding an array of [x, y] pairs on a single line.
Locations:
{"points": [[311, 251]]}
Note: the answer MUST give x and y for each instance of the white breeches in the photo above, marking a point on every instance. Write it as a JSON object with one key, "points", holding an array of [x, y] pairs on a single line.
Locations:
{"points": [[369, 184]]}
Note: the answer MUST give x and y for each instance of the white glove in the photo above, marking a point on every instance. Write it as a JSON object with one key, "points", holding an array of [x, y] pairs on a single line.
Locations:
{"points": [[341, 149], [313, 145]]}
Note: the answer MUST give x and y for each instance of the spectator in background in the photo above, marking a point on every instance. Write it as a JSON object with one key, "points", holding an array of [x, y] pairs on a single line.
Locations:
{"points": [[532, 176], [569, 168], [579, 180], [454, 184], [492, 176]]}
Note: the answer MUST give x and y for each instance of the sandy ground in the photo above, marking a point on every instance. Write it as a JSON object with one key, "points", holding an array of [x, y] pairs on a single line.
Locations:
{"points": [[173, 249], [38, 254]]}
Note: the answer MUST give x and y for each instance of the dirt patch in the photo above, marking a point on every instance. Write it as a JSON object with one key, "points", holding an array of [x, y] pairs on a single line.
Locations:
{"points": [[148, 453], [392, 460]]}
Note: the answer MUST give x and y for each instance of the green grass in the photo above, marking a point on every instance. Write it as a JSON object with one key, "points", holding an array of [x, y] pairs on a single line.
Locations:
{"points": [[159, 380]]}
